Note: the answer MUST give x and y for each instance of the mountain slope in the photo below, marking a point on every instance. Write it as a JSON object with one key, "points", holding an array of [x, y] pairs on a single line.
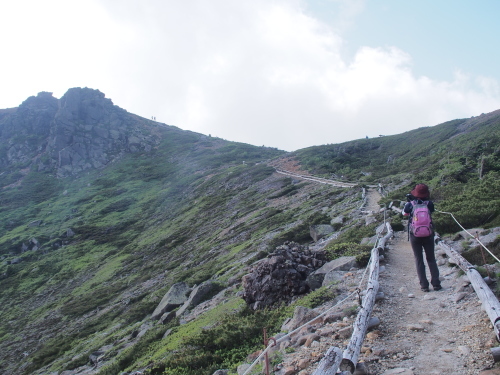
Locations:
{"points": [[91, 241], [459, 160], [103, 211]]}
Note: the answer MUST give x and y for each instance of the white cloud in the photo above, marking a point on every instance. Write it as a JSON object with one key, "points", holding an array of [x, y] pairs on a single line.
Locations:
{"points": [[261, 72]]}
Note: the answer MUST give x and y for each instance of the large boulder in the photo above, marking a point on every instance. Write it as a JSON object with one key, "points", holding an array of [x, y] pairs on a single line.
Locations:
{"points": [[199, 294], [333, 277], [176, 296], [320, 231], [301, 315], [282, 276], [315, 279]]}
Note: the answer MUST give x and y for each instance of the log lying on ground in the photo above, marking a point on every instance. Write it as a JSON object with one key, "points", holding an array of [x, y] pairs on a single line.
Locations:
{"points": [[390, 234], [351, 353], [330, 362], [495, 352], [483, 291]]}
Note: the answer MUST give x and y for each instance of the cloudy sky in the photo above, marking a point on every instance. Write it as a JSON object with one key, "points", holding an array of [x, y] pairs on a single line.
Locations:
{"points": [[281, 73]]}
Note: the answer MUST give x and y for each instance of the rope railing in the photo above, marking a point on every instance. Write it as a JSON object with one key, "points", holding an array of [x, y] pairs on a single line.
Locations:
{"points": [[283, 338], [470, 234]]}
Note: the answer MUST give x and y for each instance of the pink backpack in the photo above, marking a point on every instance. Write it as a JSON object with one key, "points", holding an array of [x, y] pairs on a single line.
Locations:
{"points": [[421, 223]]}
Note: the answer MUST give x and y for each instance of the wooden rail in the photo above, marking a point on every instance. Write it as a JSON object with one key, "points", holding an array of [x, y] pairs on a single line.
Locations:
{"points": [[318, 179], [351, 353], [332, 361], [489, 300]]}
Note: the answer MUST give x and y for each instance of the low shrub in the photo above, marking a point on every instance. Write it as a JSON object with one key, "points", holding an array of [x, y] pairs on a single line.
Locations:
{"points": [[222, 346], [316, 298]]}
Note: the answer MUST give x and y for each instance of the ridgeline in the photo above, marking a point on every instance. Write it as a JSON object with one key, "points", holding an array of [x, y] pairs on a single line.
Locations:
{"points": [[102, 212]]}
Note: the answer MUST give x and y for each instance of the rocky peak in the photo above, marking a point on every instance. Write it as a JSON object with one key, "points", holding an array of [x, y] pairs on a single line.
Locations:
{"points": [[43, 101], [81, 131], [85, 105]]}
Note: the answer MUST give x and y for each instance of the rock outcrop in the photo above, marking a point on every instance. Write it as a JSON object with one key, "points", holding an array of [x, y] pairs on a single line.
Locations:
{"points": [[199, 294], [282, 276], [80, 131], [176, 296], [315, 279], [320, 231]]}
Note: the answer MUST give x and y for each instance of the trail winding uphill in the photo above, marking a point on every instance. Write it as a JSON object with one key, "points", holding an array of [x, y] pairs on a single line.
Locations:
{"points": [[439, 332], [443, 332]]}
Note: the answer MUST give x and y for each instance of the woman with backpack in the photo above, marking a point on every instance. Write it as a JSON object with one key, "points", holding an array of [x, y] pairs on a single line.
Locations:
{"points": [[421, 233]]}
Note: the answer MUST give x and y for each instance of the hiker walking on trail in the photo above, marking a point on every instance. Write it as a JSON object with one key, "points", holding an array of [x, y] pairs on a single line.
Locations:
{"points": [[421, 234]]}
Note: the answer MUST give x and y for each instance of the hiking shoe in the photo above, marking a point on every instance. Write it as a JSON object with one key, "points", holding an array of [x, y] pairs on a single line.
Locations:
{"points": [[424, 289], [436, 288]]}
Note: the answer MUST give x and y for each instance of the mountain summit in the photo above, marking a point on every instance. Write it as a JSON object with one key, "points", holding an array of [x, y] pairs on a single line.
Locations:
{"points": [[129, 245], [80, 131]]}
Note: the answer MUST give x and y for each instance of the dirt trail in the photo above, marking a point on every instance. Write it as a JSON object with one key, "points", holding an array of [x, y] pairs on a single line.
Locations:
{"points": [[444, 332]]}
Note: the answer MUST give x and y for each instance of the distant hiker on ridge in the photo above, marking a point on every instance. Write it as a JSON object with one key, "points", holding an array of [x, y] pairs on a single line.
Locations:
{"points": [[421, 234]]}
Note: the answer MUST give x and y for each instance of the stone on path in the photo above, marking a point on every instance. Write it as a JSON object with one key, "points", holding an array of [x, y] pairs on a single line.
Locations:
{"points": [[465, 350], [416, 327]]}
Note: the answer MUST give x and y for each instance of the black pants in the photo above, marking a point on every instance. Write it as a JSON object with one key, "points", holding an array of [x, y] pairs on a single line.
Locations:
{"points": [[426, 244]]}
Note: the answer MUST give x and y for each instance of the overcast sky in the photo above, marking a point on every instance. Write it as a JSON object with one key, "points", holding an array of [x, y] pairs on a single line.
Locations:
{"points": [[281, 73]]}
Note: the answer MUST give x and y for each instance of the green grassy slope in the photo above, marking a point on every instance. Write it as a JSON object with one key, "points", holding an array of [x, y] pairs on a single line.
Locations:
{"points": [[109, 243], [104, 247], [459, 160]]}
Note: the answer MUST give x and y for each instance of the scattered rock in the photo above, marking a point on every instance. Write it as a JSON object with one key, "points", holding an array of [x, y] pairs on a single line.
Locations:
{"points": [[198, 295], [320, 231], [301, 315], [282, 276], [460, 296], [167, 317], [333, 277], [35, 223], [373, 322], [416, 327], [176, 296], [316, 278], [242, 368]]}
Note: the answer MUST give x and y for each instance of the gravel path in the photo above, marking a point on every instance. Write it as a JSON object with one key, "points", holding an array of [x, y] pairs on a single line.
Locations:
{"points": [[444, 332]]}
